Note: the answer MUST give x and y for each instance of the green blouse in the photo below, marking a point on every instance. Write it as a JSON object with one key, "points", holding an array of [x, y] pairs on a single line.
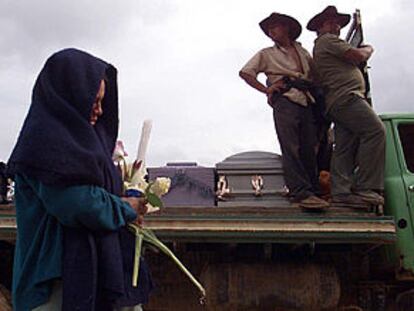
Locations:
{"points": [[41, 213]]}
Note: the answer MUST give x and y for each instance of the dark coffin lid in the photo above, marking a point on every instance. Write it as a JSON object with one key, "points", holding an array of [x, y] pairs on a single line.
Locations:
{"points": [[172, 167], [200, 173], [180, 164], [251, 160], [191, 185]]}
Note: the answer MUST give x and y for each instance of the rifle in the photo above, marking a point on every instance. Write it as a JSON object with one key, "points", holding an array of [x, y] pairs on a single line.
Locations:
{"points": [[306, 86], [355, 37], [302, 85], [323, 124]]}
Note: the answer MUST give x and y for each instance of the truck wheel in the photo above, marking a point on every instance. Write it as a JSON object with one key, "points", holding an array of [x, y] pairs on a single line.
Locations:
{"points": [[405, 301]]}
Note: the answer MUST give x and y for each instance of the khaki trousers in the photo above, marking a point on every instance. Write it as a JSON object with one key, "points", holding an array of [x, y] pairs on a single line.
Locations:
{"points": [[358, 158]]}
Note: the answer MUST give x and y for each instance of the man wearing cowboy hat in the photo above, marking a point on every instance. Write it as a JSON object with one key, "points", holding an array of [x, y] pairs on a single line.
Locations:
{"points": [[357, 166], [292, 112]]}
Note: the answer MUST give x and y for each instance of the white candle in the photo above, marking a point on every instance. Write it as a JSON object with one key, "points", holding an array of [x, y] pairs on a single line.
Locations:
{"points": [[143, 142]]}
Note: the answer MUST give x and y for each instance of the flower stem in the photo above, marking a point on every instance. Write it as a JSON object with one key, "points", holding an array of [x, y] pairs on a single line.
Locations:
{"points": [[149, 237], [170, 254], [138, 246]]}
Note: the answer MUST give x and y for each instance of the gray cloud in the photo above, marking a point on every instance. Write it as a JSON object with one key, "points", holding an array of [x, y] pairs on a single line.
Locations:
{"points": [[393, 61], [178, 65]]}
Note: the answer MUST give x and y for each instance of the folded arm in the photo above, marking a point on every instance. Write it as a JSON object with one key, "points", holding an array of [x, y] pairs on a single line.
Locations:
{"points": [[358, 55]]}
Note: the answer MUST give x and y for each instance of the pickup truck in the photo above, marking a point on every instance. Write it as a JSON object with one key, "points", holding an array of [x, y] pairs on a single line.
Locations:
{"points": [[281, 257]]}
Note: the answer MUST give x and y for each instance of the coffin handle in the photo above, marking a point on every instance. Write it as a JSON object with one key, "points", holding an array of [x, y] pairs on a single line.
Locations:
{"points": [[257, 184], [223, 189]]}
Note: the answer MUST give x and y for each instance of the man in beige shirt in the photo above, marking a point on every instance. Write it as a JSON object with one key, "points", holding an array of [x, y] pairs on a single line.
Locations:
{"points": [[293, 115], [357, 167]]}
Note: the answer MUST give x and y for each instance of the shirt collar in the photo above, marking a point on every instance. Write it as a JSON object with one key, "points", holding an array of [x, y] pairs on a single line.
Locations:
{"points": [[282, 49], [324, 34]]}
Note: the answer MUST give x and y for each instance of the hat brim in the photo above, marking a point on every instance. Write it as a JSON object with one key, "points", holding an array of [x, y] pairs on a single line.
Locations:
{"points": [[294, 26], [317, 21]]}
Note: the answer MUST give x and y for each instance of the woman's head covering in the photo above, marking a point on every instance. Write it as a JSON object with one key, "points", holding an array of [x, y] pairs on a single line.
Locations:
{"points": [[57, 144]]}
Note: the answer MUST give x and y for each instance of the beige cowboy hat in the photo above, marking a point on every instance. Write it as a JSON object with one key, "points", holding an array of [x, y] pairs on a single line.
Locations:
{"points": [[330, 12], [294, 26]]}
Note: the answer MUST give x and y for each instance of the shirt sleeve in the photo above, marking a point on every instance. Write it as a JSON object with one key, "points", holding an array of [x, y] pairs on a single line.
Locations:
{"points": [[336, 46], [255, 65], [85, 206]]}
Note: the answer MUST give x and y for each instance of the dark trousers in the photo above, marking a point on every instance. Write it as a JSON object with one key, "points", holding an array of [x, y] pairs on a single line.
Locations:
{"points": [[359, 142], [296, 130]]}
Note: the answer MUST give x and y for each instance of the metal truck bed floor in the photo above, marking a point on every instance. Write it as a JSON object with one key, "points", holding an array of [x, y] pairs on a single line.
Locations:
{"points": [[272, 225], [285, 224]]}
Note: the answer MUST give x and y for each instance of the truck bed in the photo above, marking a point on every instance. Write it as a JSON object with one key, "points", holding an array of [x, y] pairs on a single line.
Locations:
{"points": [[284, 224], [289, 224]]}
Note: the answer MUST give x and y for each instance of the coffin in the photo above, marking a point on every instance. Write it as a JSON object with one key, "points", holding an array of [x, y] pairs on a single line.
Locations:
{"points": [[252, 178], [191, 185]]}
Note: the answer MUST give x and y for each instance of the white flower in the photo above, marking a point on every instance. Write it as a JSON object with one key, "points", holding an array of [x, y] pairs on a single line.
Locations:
{"points": [[161, 186], [119, 152], [137, 180], [141, 186]]}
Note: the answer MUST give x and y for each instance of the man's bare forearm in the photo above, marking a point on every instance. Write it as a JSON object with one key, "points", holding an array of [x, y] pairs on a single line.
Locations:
{"points": [[366, 52], [358, 55], [253, 82]]}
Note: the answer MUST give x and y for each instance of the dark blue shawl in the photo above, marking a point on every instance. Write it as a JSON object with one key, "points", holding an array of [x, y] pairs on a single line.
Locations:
{"points": [[58, 146]]}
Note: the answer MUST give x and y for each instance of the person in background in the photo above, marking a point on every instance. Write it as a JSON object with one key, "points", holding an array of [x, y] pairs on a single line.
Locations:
{"points": [[292, 108], [73, 251], [357, 167], [3, 184]]}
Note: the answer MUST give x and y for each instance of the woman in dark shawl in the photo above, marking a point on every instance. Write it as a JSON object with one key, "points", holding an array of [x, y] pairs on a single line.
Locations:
{"points": [[73, 251]]}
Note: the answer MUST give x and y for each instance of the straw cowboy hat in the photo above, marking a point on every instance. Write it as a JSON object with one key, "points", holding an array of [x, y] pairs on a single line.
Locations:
{"points": [[275, 18], [330, 12]]}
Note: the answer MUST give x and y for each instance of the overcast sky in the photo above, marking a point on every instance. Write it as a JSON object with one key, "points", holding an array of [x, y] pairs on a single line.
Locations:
{"points": [[178, 63]]}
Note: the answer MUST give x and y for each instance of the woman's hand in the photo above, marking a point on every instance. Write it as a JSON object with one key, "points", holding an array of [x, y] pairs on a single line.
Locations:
{"points": [[139, 205]]}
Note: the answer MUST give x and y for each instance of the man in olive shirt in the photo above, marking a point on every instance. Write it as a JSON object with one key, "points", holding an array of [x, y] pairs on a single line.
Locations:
{"points": [[294, 120], [357, 167]]}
